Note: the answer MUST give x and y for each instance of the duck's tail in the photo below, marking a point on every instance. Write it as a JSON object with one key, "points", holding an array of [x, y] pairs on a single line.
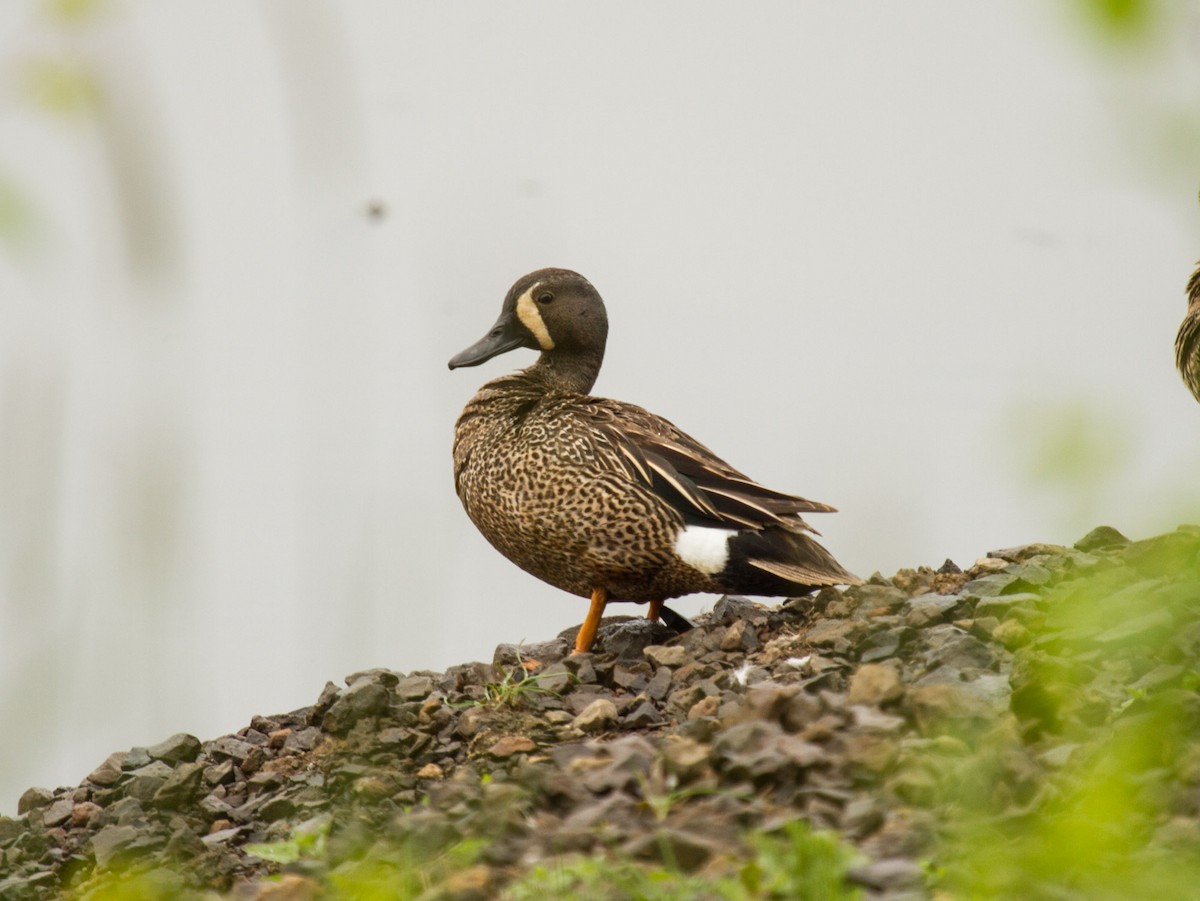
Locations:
{"points": [[780, 562]]}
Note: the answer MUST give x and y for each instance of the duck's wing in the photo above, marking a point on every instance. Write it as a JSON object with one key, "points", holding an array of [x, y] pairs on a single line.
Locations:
{"points": [[684, 473], [1187, 342]]}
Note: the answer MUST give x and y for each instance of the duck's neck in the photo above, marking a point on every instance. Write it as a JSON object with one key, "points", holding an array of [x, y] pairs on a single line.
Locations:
{"points": [[571, 373]]}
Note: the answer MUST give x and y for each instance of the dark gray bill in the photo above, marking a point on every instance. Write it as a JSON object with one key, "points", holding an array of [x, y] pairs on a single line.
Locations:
{"points": [[504, 336]]}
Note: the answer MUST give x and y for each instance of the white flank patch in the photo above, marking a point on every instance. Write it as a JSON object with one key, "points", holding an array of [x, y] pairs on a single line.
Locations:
{"points": [[704, 548]]}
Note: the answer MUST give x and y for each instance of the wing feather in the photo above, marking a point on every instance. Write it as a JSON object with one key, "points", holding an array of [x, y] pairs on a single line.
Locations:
{"points": [[683, 472], [1187, 342]]}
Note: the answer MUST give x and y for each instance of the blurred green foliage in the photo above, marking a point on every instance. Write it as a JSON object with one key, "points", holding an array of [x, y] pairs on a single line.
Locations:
{"points": [[72, 11], [16, 217], [1071, 444], [1120, 19], [1106, 688], [1064, 449], [61, 86]]}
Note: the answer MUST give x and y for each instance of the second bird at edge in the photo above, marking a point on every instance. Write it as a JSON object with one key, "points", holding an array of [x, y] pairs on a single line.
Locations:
{"points": [[602, 498]]}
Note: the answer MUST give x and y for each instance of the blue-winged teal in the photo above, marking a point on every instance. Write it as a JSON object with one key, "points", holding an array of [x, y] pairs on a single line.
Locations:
{"points": [[602, 498], [1187, 342]]}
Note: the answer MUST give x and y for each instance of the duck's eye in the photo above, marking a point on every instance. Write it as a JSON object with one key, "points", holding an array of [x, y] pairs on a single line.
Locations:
{"points": [[545, 298]]}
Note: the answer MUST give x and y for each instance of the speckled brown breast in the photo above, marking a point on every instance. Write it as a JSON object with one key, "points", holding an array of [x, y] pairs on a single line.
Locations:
{"points": [[527, 474]]}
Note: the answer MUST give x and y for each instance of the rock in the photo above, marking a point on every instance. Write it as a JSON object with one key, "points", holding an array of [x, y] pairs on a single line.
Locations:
{"points": [[1101, 538], [179, 748], [875, 684], [509, 745], [1020, 605], [135, 758], [34, 885], [599, 716], [927, 609], [883, 644], [869, 755], [58, 812], [949, 645], [303, 739], [871, 719], [219, 773], [757, 751], [229, 746], [1150, 626], [34, 799], [378, 675], [181, 786], [108, 772], [473, 883], [632, 677], [685, 758], [939, 706], [740, 636], [111, 841], [581, 665], [1011, 634], [147, 780], [222, 836], [731, 608], [627, 638], [316, 713], [666, 655], [84, 815], [990, 585], [880, 599], [289, 887], [276, 808], [705, 707], [556, 678], [659, 684], [362, 699], [892, 874], [643, 716], [675, 848], [861, 817], [837, 635], [414, 687]]}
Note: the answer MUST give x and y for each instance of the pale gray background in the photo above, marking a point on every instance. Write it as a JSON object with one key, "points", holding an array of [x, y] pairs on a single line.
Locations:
{"points": [[922, 261]]}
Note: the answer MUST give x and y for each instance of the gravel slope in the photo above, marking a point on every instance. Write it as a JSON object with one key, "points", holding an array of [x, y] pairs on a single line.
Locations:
{"points": [[1029, 728]]}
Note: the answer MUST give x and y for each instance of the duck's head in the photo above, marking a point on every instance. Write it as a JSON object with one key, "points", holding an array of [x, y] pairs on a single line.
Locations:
{"points": [[556, 311]]}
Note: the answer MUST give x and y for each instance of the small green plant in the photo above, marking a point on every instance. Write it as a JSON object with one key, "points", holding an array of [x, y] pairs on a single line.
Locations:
{"points": [[660, 795], [598, 879], [794, 863], [404, 870], [308, 840], [516, 684], [135, 883], [797, 863]]}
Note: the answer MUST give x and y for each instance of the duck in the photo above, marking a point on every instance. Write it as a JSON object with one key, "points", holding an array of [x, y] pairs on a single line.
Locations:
{"points": [[1187, 342], [602, 498]]}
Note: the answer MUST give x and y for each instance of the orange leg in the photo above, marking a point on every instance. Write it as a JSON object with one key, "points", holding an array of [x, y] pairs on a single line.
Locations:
{"points": [[654, 611], [587, 632]]}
